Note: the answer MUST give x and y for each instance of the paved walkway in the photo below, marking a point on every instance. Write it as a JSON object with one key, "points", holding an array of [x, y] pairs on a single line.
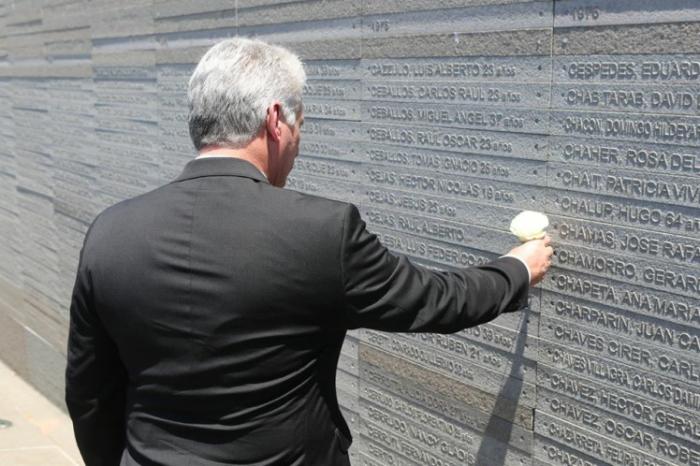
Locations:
{"points": [[41, 434]]}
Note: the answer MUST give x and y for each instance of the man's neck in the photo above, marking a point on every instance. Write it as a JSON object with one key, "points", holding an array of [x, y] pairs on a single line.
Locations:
{"points": [[243, 154]]}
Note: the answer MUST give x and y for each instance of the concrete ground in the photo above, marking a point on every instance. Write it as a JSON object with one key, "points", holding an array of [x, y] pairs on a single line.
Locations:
{"points": [[41, 434]]}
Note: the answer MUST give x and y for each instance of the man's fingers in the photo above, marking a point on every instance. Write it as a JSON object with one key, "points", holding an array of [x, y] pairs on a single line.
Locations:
{"points": [[537, 254], [547, 239]]}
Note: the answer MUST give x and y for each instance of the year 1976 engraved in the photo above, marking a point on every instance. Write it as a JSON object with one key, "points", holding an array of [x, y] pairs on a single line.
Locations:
{"points": [[584, 13], [380, 25]]}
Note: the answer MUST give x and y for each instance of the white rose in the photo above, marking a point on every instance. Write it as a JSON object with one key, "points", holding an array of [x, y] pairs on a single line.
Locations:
{"points": [[528, 225]]}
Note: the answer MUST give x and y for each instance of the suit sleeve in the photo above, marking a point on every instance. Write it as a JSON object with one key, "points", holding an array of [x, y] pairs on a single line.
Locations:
{"points": [[95, 378], [387, 292]]}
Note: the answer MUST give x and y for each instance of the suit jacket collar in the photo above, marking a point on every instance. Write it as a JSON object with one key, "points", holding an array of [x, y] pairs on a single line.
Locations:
{"points": [[220, 166]]}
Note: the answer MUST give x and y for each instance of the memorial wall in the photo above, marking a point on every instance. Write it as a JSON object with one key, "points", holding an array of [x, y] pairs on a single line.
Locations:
{"points": [[441, 121]]}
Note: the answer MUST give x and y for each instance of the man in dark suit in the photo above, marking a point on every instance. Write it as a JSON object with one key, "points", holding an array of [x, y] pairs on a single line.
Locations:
{"points": [[208, 315]]}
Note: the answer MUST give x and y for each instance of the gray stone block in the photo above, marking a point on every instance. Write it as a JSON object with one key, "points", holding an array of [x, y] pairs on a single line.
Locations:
{"points": [[621, 376], [668, 38], [660, 69], [671, 278], [485, 18], [398, 6], [502, 407], [432, 435], [559, 390], [603, 446], [255, 14], [656, 129], [631, 242], [665, 218], [591, 13], [659, 304], [506, 43]]}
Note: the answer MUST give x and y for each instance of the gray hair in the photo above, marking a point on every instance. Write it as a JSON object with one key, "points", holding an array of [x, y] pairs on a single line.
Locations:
{"points": [[234, 84]]}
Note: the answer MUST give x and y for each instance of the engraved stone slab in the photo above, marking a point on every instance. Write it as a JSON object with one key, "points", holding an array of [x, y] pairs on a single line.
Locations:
{"points": [[331, 89], [516, 365], [328, 131], [442, 362], [653, 188], [390, 449], [629, 435], [664, 38], [617, 349], [660, 69], [332, 69], [256, 12], [475, 19], [409, 398], [457, 140], [338, 28], [621, 376], [450, 186], [503, 408], [665, 218], [347, 382], [477, 93], [317, 107], [660, 129], [480, 166], [685, 311], [682, 280], [495, 216], [559, 442], [663, 334], [577, 13], [433, 70], [348, 364], [422, 181], [643, 410], [458, 116], [434, 433], [645, 158], [676, 99], [432, 250], [178, 21], [452, 232], [457, 44]]}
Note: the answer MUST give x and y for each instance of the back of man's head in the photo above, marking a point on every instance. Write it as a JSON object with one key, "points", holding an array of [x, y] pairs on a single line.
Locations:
{"points": [[234, 84]]}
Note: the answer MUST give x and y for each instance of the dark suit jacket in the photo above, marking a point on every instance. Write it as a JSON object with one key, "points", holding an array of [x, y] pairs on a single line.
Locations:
{"points": [[208, 315]]}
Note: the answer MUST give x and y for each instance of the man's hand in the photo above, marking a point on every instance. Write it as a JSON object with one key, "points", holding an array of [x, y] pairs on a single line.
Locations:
{"points": [[537, 254]]}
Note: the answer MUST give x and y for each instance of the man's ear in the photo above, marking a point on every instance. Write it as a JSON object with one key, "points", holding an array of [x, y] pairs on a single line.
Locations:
{"points": [[273, 121]]}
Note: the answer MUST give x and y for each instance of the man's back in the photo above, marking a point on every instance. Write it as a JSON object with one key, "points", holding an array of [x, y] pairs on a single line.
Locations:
{"points": [[219, 292], [212, 310]]}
